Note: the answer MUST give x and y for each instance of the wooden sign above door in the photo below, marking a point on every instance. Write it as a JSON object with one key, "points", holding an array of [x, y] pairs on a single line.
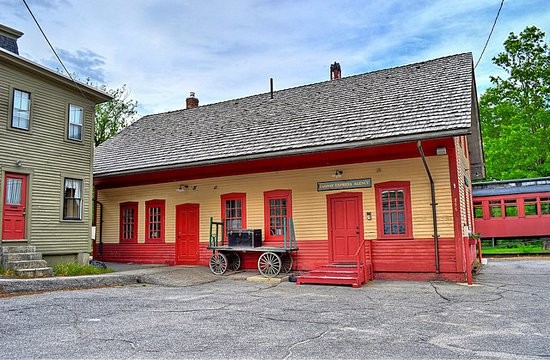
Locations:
{"points": [[344, 184]]}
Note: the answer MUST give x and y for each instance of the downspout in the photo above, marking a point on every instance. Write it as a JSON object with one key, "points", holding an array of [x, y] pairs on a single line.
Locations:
{"points": [[434, 204], [100, 247]]}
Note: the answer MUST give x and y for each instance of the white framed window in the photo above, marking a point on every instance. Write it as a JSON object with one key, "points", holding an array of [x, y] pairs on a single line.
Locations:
{"points": [[76, 118], [21, 110], [72, 199]]}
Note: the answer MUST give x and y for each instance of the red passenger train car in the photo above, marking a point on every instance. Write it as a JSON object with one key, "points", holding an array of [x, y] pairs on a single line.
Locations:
{"points": [[512, 208]]}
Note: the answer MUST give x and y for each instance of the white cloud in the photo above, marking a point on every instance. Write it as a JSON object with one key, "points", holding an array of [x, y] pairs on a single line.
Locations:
{"points": [[229, 49]]}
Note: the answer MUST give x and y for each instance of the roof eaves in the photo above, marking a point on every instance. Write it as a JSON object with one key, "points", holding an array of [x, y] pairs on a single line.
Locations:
{"points": [[290, 152], [98, 95]]}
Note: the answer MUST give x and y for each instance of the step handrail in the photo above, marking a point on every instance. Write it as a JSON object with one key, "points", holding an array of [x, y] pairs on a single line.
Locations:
{"points": [[361, 258], [289, 237]]}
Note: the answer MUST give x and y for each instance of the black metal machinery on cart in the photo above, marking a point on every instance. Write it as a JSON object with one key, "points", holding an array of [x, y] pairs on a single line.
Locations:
{"points": [[273, 260]]}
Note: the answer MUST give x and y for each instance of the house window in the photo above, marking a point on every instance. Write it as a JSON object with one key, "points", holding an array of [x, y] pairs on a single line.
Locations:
{"points": [[154, 221], [277, 212], [530, 207], [478, 210], [234, 211], [21, 111], [393, 210], [128, 222], [72, 199], [76, 115]]}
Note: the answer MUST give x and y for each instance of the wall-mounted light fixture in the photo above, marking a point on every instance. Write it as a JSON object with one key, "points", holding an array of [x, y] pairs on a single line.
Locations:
{"points": [[441, 151], [338, 174], [182, 188], [18, 163], [369, 215]]}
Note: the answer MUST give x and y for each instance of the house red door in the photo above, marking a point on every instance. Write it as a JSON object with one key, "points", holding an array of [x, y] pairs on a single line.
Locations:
{"points": [[14, 207], [345, 225], [187, 234]]}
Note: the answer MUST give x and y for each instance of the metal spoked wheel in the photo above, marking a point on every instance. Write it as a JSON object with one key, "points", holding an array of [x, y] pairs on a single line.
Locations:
{"points": [[234, 261], [287, 263], [269, 264], [218, 263]]}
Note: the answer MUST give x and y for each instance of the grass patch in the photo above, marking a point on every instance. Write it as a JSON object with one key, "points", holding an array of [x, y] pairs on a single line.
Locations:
{"points": [[7, 272], [516, 248], [74, 269]]}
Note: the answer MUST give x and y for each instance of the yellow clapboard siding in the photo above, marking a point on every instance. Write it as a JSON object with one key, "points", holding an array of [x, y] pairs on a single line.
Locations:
{"points": [[309, 206]]}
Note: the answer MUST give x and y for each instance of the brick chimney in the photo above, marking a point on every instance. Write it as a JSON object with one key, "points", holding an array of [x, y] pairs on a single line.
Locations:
{"points": [[335, 71], [8, 38], [191, 102]]}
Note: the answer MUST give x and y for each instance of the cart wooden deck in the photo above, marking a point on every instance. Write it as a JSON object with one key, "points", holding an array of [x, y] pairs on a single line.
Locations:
{"points": [[273, 260]]}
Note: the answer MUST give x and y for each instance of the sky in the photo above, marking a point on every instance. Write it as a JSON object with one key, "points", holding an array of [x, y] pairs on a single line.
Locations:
{"points": [[227, 49]]}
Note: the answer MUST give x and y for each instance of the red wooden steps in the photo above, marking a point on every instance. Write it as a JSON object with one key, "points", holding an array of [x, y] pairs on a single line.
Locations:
{"points": [[333, 274]]}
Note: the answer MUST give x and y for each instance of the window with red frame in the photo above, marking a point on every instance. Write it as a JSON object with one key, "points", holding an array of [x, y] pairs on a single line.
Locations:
{"points": [[393, 210], [154, 221], [277, 212], [234, 211], [128, 222]]}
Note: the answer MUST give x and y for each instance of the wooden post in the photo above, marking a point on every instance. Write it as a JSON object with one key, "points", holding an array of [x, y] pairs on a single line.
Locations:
{"points": [[468, 261]]}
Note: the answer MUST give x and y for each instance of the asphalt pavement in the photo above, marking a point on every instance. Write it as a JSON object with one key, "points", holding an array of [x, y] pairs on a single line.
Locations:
{"points": [[186, 312]]}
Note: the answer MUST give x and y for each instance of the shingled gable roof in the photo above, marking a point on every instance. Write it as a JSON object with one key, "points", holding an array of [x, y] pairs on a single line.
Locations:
{"points": [[430, 99]]}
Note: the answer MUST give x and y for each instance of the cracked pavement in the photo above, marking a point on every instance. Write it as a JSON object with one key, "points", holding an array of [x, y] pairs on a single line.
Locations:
{"points": [[505, 315]]}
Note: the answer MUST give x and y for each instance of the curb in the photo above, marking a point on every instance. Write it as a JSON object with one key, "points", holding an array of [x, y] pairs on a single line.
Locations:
{"points": [[64, 283]]}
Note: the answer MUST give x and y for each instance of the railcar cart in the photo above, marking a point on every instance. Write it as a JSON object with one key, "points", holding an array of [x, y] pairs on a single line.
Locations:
{"points": [[273, 260]]}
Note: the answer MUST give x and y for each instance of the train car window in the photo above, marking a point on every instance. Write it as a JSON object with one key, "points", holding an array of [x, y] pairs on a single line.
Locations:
{"points": [[530, 207], [495, 208], [545, 206], [478, 210], [510, 208]]}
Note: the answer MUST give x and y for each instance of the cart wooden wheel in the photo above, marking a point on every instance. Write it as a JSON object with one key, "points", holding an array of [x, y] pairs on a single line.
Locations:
{"points": [[286, 263], [218, 263], [234, 261], [269, 264]]}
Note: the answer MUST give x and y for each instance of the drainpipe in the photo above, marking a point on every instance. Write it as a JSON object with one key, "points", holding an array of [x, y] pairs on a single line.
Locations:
{"points": [[434, 204], [100, 247]]}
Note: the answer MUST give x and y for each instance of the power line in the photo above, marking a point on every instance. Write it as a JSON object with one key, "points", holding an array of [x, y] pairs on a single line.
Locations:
{"points": [[490, 33], [55, 52]]}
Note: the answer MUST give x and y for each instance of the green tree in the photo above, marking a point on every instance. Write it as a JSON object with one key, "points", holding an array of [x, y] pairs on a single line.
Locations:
{"points": [[515, 112], [114, 115]]}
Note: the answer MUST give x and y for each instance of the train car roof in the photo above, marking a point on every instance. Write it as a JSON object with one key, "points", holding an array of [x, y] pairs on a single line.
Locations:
{"points": [[510, 187]]}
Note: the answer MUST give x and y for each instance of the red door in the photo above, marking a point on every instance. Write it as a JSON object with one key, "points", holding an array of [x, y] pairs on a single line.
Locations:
{"points": [[187, 234], [14, 207], [345, 226]]}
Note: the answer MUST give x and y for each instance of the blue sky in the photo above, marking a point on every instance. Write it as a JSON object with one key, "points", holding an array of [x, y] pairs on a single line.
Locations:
{"points": [[226, 49]]}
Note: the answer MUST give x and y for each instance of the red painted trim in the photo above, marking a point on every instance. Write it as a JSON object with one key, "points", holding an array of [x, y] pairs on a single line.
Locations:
{"points": [[392, 259], [233, 196], [455, 196], [394, 185], [412, 276], [123, 206], [139, 253], [274, 195], [302, 161], [148, 206], [330, 225]]}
